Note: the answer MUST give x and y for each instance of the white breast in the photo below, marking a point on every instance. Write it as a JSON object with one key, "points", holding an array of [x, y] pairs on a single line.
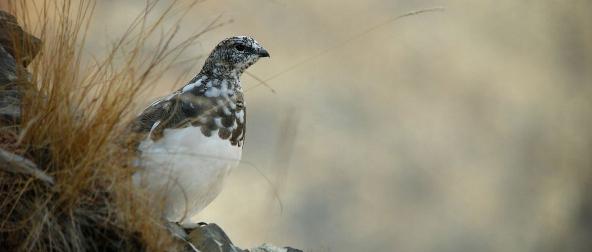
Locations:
{"points": [[186, 170]]}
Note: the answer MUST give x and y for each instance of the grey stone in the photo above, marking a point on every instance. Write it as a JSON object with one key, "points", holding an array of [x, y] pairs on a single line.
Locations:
{"points": [[7, 68], [271, 248], [16, 42], [210, 238], [10, 111]]}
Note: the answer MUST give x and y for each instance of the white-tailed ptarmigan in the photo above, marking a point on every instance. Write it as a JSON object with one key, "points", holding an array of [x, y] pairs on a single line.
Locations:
{"points": [[191, 140]]}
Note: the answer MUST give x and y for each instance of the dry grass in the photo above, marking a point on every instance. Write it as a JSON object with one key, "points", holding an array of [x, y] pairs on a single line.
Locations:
{"points": [[74, 117]]}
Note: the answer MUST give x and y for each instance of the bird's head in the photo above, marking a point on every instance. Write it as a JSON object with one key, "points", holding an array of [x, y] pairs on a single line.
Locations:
{"points": [[235, 55]]}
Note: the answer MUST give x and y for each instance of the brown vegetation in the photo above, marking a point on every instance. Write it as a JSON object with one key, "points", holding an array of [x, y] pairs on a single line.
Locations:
{"points": [[72, 122]]}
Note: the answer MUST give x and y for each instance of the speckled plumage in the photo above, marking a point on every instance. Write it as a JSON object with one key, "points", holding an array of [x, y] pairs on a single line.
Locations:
{"points": [[192, 139]]}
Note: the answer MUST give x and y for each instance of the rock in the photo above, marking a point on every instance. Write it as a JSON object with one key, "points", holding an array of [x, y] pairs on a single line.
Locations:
{"points": [[10, 111], [211, 238], [7, 68], [271, 248], [16, 41], [14, 44]]}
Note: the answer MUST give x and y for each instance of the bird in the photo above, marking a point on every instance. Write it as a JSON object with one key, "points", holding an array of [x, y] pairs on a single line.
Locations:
{"points": [[190, 141]]}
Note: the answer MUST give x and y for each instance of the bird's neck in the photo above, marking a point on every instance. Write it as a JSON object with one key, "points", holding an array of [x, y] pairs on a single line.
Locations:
{"points": [[205, 81], [220, 70]]}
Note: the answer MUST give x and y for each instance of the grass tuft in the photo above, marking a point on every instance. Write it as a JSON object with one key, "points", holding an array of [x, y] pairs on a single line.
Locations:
{"points": [[72, 128]]}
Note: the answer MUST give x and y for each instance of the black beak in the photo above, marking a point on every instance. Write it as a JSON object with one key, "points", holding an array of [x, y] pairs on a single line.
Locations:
{"points": [[263, 53]]}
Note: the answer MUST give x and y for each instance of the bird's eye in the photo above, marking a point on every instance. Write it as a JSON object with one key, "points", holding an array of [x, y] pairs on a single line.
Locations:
{"points": [[240, 47]]}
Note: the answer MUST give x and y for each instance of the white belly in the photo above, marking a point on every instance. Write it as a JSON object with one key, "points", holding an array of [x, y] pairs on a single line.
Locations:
{"points": [[185, 170]]}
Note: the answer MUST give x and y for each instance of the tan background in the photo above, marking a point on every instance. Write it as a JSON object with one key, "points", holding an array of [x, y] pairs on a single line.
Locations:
{"points": [[463, 130]]}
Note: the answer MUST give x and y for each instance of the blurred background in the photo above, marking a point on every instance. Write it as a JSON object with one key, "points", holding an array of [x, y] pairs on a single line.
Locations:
{"points": [[462, 130]]}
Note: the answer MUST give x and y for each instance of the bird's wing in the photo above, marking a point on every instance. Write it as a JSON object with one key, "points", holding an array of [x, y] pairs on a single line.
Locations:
{"points": [[176, 111]]}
